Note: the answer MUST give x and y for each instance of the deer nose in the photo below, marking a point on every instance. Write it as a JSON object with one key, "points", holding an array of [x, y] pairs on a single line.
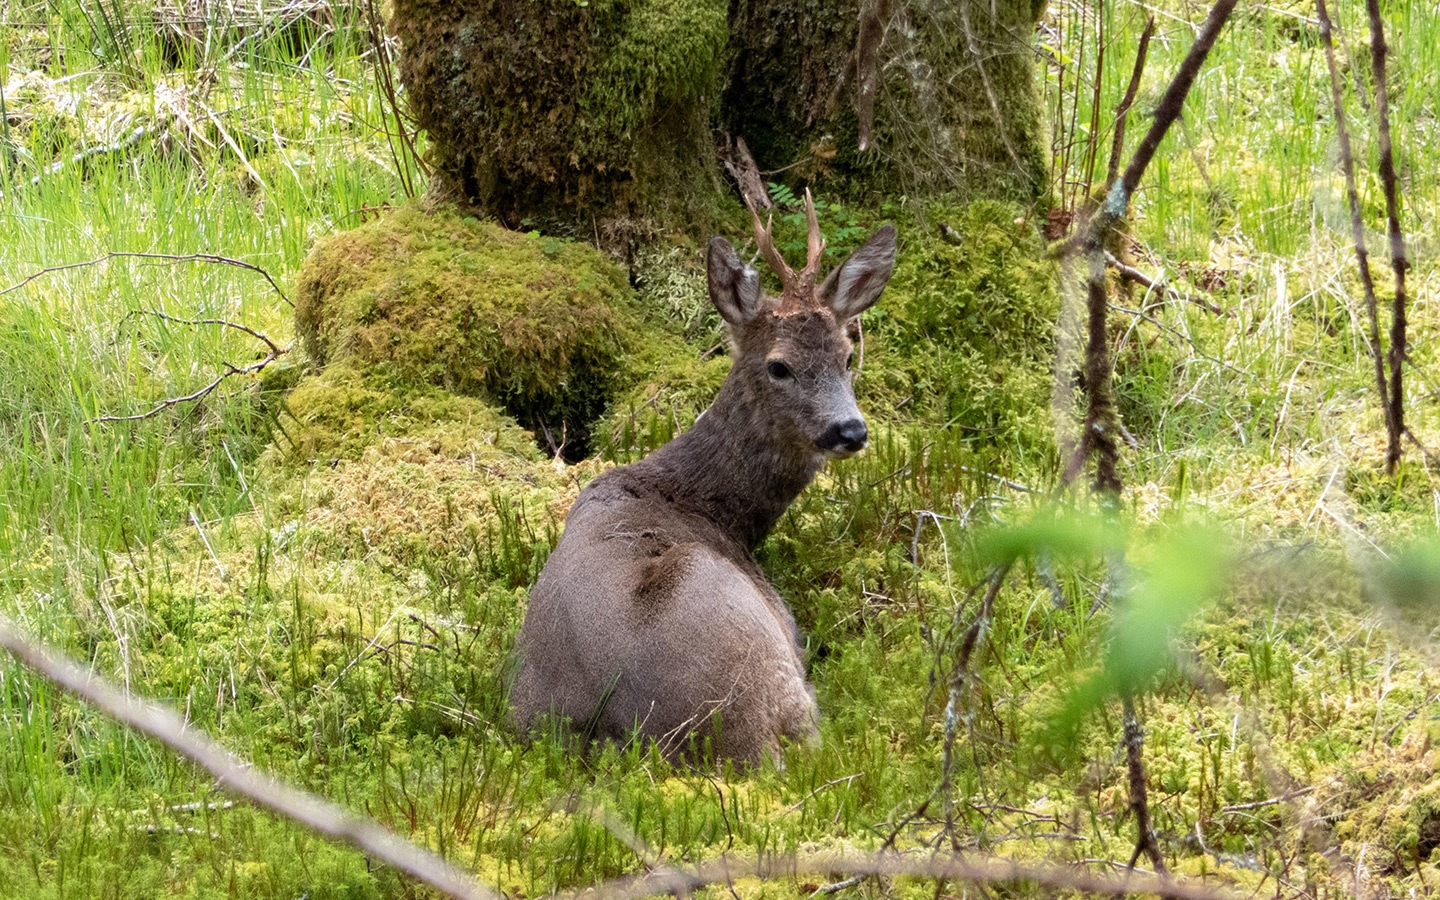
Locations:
{"points": [[848, 436]]}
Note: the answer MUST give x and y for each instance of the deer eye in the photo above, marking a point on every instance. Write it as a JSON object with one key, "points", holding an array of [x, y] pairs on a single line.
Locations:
{"points": [[778, 370]]}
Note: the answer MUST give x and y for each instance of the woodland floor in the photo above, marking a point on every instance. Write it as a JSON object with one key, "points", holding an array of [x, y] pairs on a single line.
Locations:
{"points": [[343, 621]]}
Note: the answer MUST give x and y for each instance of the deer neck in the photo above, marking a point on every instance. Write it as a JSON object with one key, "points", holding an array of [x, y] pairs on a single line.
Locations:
{"points": [[732, 468]]}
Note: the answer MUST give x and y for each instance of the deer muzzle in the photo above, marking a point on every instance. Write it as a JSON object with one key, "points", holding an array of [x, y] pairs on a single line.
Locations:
{"points": [[844, 438]]}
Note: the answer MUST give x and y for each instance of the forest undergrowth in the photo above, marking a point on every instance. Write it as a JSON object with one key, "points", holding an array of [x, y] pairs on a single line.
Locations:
{"points": [[325, 570]]}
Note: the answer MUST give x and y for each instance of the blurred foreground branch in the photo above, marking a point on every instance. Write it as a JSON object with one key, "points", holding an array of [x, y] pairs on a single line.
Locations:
{"points": [[165, 725]]}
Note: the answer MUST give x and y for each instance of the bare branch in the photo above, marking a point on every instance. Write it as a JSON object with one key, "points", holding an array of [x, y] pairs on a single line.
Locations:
{"points": [[223, 323], [961, 674], [1172, 103], [1122, 111], [1139, 795], [200, 394], [1398, 261], [1098, 435], [1357, 225], [170, 257], [319, 815]]}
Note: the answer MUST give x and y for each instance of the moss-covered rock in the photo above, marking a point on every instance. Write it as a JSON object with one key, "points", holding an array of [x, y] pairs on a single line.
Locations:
{"points": [[964, 335], [544, 327]]}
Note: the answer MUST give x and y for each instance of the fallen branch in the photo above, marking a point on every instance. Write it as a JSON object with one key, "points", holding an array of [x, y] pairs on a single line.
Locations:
{"points": [[264, 790], [979, 868], [168, 257], [84, 156], [1162, 286]]}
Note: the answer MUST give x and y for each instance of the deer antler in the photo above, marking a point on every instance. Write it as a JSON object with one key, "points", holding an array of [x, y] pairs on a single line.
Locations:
{"points": [[766, 243], [815, 242]]}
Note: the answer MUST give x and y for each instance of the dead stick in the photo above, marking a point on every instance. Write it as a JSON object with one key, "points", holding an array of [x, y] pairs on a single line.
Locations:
{"points": [[201, 393], [1161, 285], [223, 323], [1139, 794], [1172, 103], [1098, 434]]}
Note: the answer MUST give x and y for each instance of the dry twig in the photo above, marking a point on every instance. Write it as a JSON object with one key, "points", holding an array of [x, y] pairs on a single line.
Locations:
{"points": [[1098, 435], [167, 257], [1161, 285], [1122, 111]]}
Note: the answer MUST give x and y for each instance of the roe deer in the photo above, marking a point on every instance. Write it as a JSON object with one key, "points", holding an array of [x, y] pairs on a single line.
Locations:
{"points": [[651, 616]]}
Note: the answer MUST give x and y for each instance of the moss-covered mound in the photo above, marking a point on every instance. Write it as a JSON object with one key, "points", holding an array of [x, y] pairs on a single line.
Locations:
{"points": [[545, 328], [368, 466], [964, 335]]}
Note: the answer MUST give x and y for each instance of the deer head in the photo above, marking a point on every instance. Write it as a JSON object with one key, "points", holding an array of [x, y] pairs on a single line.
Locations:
{"points": [[793, 353]]}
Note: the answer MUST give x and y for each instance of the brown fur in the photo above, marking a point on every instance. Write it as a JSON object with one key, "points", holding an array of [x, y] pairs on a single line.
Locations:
{"points": [[652, 615]]}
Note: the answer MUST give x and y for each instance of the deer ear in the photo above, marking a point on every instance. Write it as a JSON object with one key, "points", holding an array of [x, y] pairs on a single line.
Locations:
{"points": [[734, 286], [855, 285]]}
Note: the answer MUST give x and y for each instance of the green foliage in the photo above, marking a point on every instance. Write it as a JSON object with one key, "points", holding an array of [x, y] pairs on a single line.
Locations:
{"points": [[543, 326]]}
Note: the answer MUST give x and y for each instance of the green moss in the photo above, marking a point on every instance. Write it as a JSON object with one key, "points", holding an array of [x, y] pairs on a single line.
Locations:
{"points": [[544, 327], [657, 408], [964, 333], [666, 52], [340, 412]]}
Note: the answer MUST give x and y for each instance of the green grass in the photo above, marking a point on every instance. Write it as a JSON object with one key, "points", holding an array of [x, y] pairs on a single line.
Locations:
{"points": [[347, 626]]}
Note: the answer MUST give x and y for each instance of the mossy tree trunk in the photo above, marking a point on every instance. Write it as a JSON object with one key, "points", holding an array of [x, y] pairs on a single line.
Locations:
{"points": [[605, 114], [941, 94]]}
